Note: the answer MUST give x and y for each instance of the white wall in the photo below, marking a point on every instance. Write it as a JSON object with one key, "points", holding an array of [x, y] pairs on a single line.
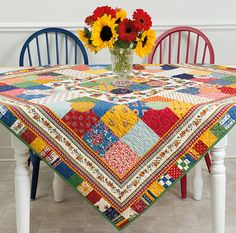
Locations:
{"points": [[18, 19]]}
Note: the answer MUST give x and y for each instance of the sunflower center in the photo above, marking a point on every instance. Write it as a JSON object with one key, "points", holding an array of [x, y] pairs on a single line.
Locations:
{"points": [[144, 42], [106, 33]]}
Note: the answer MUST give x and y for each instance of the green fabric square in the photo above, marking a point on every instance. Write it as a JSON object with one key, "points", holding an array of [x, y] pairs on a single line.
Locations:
{"points": [[231, 79], [84, 99], [30, 78], [75, 180], [26, 84], [218, 130]]}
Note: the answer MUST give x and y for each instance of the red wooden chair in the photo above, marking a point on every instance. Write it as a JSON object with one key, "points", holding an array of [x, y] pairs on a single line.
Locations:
{"points": [[183, 45]]}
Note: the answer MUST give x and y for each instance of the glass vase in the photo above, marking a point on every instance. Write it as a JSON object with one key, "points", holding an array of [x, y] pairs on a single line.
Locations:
{"points": [[121, 64]]}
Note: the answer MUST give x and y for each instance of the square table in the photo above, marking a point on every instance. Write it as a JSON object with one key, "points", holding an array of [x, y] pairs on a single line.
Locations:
{"points": [[121, 148]]}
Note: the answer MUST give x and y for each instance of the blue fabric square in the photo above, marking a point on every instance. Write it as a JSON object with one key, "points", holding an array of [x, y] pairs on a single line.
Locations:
{"points": [[169, 67], [7, 88], [139, 87], [218, 75], [30, 97], [99, 67], [100, 138], [232, 112], [139, 108], [111, 213], [190, 90], [102, 107], [64, 170], [134, 138], [221, 82], [8, 118], [39, 87], [183, 76]]}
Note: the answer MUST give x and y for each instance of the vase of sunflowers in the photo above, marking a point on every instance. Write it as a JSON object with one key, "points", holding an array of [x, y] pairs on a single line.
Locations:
{"points": [[121, 63], [110, 28]]}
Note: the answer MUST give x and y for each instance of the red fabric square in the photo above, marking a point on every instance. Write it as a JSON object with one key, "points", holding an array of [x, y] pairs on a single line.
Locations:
{"points": [[139, 206], [175, 172], [121, 158], [228, 90], [200, 147], [160, 121], [93, 197], [80, 122], [80, 67], [28, 136], [203, 79], [15, 92]]}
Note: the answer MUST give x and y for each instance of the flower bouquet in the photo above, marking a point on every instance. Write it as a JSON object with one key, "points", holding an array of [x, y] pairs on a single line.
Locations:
{"points": [[110, 28]]}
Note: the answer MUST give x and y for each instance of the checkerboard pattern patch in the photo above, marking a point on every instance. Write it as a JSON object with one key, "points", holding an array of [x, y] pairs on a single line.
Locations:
{"points": [[166, 180]]}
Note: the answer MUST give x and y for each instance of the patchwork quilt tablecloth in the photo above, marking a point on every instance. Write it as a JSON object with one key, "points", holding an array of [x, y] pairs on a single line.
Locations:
{"points": [[120, 148]]}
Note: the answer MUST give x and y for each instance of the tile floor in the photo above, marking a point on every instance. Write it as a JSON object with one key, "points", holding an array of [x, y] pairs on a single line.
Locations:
{"points": [[169, 215]]}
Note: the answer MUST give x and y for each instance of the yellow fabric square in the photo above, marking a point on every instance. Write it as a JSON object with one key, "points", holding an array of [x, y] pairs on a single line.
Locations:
{"points": [[82, 106], [120, 119], [96, 71], [232, 85], [38, 145], [156, 189], [208, 138], [43, 81], [180, 108], [199, 72], [84, 188]]}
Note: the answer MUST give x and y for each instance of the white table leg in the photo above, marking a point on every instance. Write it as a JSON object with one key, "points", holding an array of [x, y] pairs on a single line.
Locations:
{"points": [[197, 181], [58, 188], [218, 187], [22, 185]]}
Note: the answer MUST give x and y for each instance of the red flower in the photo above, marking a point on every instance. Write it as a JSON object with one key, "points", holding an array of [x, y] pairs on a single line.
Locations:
{"points": [[142, 19], [100, 11], [89, 20], [127, 30]]}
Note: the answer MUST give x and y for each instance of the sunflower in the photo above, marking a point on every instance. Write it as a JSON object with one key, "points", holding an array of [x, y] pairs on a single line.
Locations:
{"points": [[145, 43], [120, 15], [104, 33], [142, 19], [85, 38]]}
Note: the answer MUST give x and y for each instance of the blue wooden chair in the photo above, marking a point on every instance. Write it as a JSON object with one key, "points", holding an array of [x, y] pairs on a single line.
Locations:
{"points": [[50, 46], [40, 45]]}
